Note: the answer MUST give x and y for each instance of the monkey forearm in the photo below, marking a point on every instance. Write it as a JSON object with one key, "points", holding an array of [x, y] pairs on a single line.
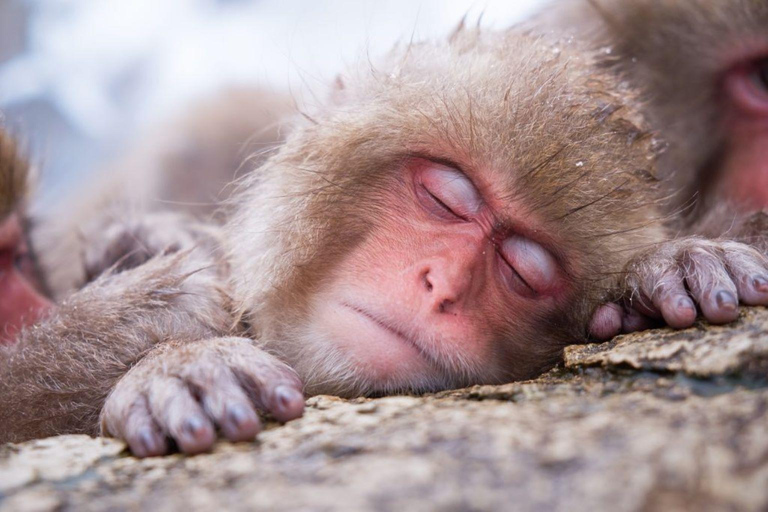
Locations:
{"points": [[56, 378]]}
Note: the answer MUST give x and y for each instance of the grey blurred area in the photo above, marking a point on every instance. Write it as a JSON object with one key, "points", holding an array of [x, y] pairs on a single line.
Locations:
{"points": [[13, 28], [79, 79]]}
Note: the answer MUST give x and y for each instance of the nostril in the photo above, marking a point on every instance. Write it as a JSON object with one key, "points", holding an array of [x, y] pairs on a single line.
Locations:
{"points": [[427, 283], [445, 306]]}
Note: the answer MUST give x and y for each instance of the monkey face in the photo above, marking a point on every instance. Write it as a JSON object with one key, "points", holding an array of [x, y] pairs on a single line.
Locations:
{"points": [[452, 222], [424, 296]]}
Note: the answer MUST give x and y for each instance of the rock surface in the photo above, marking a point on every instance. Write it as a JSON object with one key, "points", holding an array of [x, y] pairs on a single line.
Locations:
{"points": [[655, 421]]}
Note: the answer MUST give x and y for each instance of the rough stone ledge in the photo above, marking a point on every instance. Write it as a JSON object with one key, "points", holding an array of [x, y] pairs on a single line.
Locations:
{"points": [[656, 421], [703, 351]]}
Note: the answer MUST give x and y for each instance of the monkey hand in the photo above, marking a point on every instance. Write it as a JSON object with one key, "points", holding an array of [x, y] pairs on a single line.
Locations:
{"points": [[667, 284], [186, 391], [127, 242]]}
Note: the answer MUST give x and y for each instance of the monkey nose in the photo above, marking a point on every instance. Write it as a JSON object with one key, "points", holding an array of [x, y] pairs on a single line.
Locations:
{"points": [[443, 291]]}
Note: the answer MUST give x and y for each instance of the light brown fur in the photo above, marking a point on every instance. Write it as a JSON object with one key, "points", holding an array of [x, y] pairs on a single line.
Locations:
{"points": [[559, 134], [677, 55]]}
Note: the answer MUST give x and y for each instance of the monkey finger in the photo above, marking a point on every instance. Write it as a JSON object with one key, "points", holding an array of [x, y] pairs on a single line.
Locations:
{"points": [[640, 303], [748, 269], [280, 396], [180, 415], [142, 434], [224, 401], [132, 422], [605, 322], [272, 385], [711, 286], [671, 298], [634, 321], [662, 294]]}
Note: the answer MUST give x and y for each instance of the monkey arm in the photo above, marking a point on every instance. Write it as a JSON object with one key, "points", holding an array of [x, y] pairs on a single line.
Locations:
{"points": [[56, 378], [121, 240], [186, 165]]}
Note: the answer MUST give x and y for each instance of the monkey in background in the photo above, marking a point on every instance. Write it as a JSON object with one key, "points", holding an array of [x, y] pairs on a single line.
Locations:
{"points": [[151, 201], [22, 297], [702, 70], [153, 198], [453, 217]]}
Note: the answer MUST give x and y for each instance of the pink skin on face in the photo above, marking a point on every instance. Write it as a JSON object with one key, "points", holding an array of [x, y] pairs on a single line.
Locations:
{"points": [[745, 173], [20, 303], [427, 291]]}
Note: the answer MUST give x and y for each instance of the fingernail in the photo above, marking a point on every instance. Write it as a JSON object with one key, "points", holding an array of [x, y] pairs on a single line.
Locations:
{"points": [[286, 397], [150, 442], [238, 415], [193, 426], [685, 303], [726, 300], [760, 283]]}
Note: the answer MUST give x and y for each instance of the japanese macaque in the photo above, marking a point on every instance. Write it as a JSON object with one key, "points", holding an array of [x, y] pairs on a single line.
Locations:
{"points": [[22, 300], [455, 216], [702, 69]]}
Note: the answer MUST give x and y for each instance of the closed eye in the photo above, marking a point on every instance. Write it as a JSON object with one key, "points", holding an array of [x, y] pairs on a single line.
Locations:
{"points": [[435, 205], [447, 192], [529, 261]]}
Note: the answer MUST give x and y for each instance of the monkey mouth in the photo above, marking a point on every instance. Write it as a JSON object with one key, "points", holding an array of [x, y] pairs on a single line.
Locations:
{"points": [[392, 331]]}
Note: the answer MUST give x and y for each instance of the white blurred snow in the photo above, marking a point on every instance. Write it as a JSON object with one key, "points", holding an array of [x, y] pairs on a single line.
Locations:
{"points": [[110, 67]]}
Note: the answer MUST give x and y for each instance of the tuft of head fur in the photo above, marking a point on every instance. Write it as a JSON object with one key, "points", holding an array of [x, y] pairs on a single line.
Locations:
{"points": [[14, 175]]}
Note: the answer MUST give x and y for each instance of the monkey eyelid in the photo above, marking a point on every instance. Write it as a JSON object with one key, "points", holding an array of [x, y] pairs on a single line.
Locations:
{"points": [[527, 289], [535, 265], [451, 189], [439, 204]]}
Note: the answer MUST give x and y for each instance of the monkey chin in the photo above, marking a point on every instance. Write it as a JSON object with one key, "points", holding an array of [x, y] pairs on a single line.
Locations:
{"points": [[357, 353]]}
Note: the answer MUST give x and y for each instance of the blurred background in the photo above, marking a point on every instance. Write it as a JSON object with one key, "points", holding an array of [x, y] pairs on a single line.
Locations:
{"points": [[80, 78]]}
